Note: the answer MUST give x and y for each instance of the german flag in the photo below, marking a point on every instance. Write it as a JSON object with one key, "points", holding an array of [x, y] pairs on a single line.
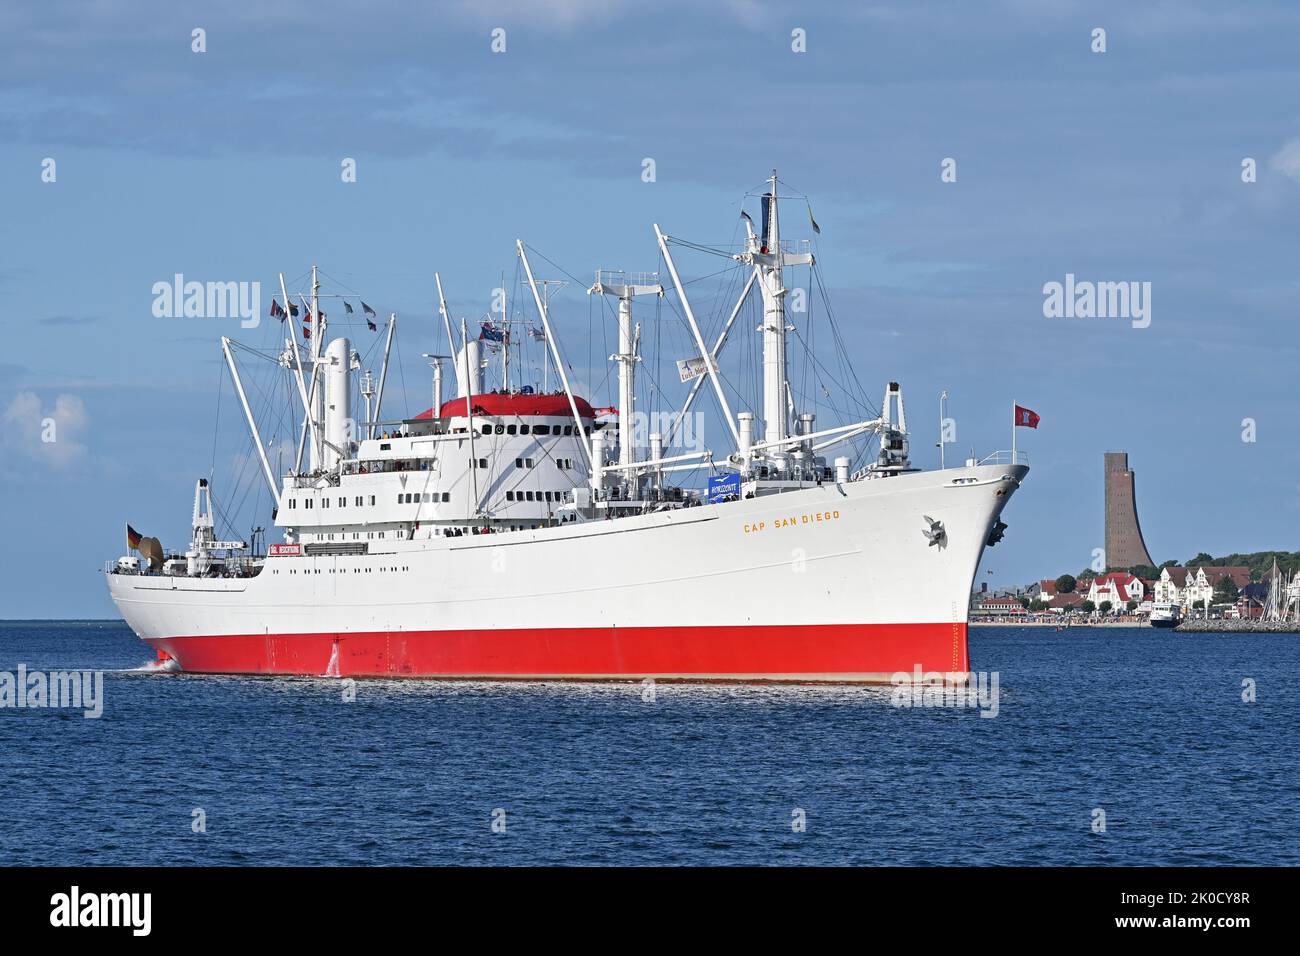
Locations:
{"points": [[133, 538]]}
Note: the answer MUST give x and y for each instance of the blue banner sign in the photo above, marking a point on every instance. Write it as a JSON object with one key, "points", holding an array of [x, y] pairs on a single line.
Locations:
{"points": [[724, 488]]}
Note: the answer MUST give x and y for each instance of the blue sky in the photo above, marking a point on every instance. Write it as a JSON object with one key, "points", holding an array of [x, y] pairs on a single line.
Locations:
{"points": [[225, 165]]}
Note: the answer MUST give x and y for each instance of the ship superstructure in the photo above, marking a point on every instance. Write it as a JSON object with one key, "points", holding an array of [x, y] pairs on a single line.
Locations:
{"points": [[516, 531]]}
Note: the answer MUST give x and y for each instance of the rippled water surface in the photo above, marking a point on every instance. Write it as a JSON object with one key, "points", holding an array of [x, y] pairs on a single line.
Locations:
{"points": [[1149, 727]]}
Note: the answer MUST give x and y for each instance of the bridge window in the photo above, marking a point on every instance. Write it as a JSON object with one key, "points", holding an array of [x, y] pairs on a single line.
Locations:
{"points": [[523, 429], [541, 429], [446, 496], [510, 429]]}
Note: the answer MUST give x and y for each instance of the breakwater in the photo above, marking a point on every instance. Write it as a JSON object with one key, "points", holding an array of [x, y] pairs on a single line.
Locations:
{"points": [[1233, 626]]}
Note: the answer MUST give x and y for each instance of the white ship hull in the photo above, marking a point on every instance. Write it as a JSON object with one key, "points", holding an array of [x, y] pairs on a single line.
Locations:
{"points": [[833, 582]]}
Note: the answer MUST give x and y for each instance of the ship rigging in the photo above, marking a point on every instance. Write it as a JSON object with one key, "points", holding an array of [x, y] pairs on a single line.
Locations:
{"points": [[628, 464]]}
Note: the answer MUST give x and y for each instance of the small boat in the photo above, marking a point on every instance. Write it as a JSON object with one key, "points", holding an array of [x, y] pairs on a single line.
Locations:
{"points": [[1165, 615]]}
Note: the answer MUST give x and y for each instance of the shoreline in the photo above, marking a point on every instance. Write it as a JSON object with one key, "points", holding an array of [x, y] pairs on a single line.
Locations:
{"points": [[1060, 626], [1197, 627]]}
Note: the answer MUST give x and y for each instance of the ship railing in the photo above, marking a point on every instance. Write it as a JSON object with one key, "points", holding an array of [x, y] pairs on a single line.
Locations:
{"points": [[617, 277], [1003, 457], [312, 480]]}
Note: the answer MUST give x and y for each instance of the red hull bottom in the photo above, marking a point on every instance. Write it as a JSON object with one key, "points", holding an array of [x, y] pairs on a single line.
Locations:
{"points": [[834, 652]]}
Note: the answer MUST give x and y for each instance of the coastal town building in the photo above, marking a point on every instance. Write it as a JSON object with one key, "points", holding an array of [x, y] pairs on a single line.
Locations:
{"points": [[999, 605], [1185, 586], [1202, 582], [1193, 589], [1061, 603], [1169, 588], [1117, 587], [1252, 601]]}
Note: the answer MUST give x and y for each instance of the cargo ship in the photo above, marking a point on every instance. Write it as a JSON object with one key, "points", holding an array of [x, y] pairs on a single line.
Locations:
{"points": [[519, 532]]}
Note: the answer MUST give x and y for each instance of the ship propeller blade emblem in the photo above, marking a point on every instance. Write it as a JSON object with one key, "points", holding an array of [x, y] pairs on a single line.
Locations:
{"points": [[936, 534]]}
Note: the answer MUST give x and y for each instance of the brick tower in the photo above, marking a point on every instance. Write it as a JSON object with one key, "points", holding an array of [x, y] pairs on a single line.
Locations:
{"points": [[1124, 545]]}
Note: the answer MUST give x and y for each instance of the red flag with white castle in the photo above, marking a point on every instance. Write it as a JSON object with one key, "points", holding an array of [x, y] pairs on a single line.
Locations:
{"points": [[1026, 418]]}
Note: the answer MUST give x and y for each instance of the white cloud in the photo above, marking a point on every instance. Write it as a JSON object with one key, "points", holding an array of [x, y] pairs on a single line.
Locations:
{"points": [[1287, 159], [553, 13], [36, 437]]}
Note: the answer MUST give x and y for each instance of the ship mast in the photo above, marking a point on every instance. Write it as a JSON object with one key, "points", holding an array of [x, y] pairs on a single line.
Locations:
{"points": [[766, 254], [626, 287], [435, 362], [546, 302], [469, 417], [505, 340], [315, 313], [785, 456], [318, 394], [367, 393]]}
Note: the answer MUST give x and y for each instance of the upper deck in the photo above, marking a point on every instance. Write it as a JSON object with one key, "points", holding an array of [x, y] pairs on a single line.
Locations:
{"points": [[429, 475]]}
